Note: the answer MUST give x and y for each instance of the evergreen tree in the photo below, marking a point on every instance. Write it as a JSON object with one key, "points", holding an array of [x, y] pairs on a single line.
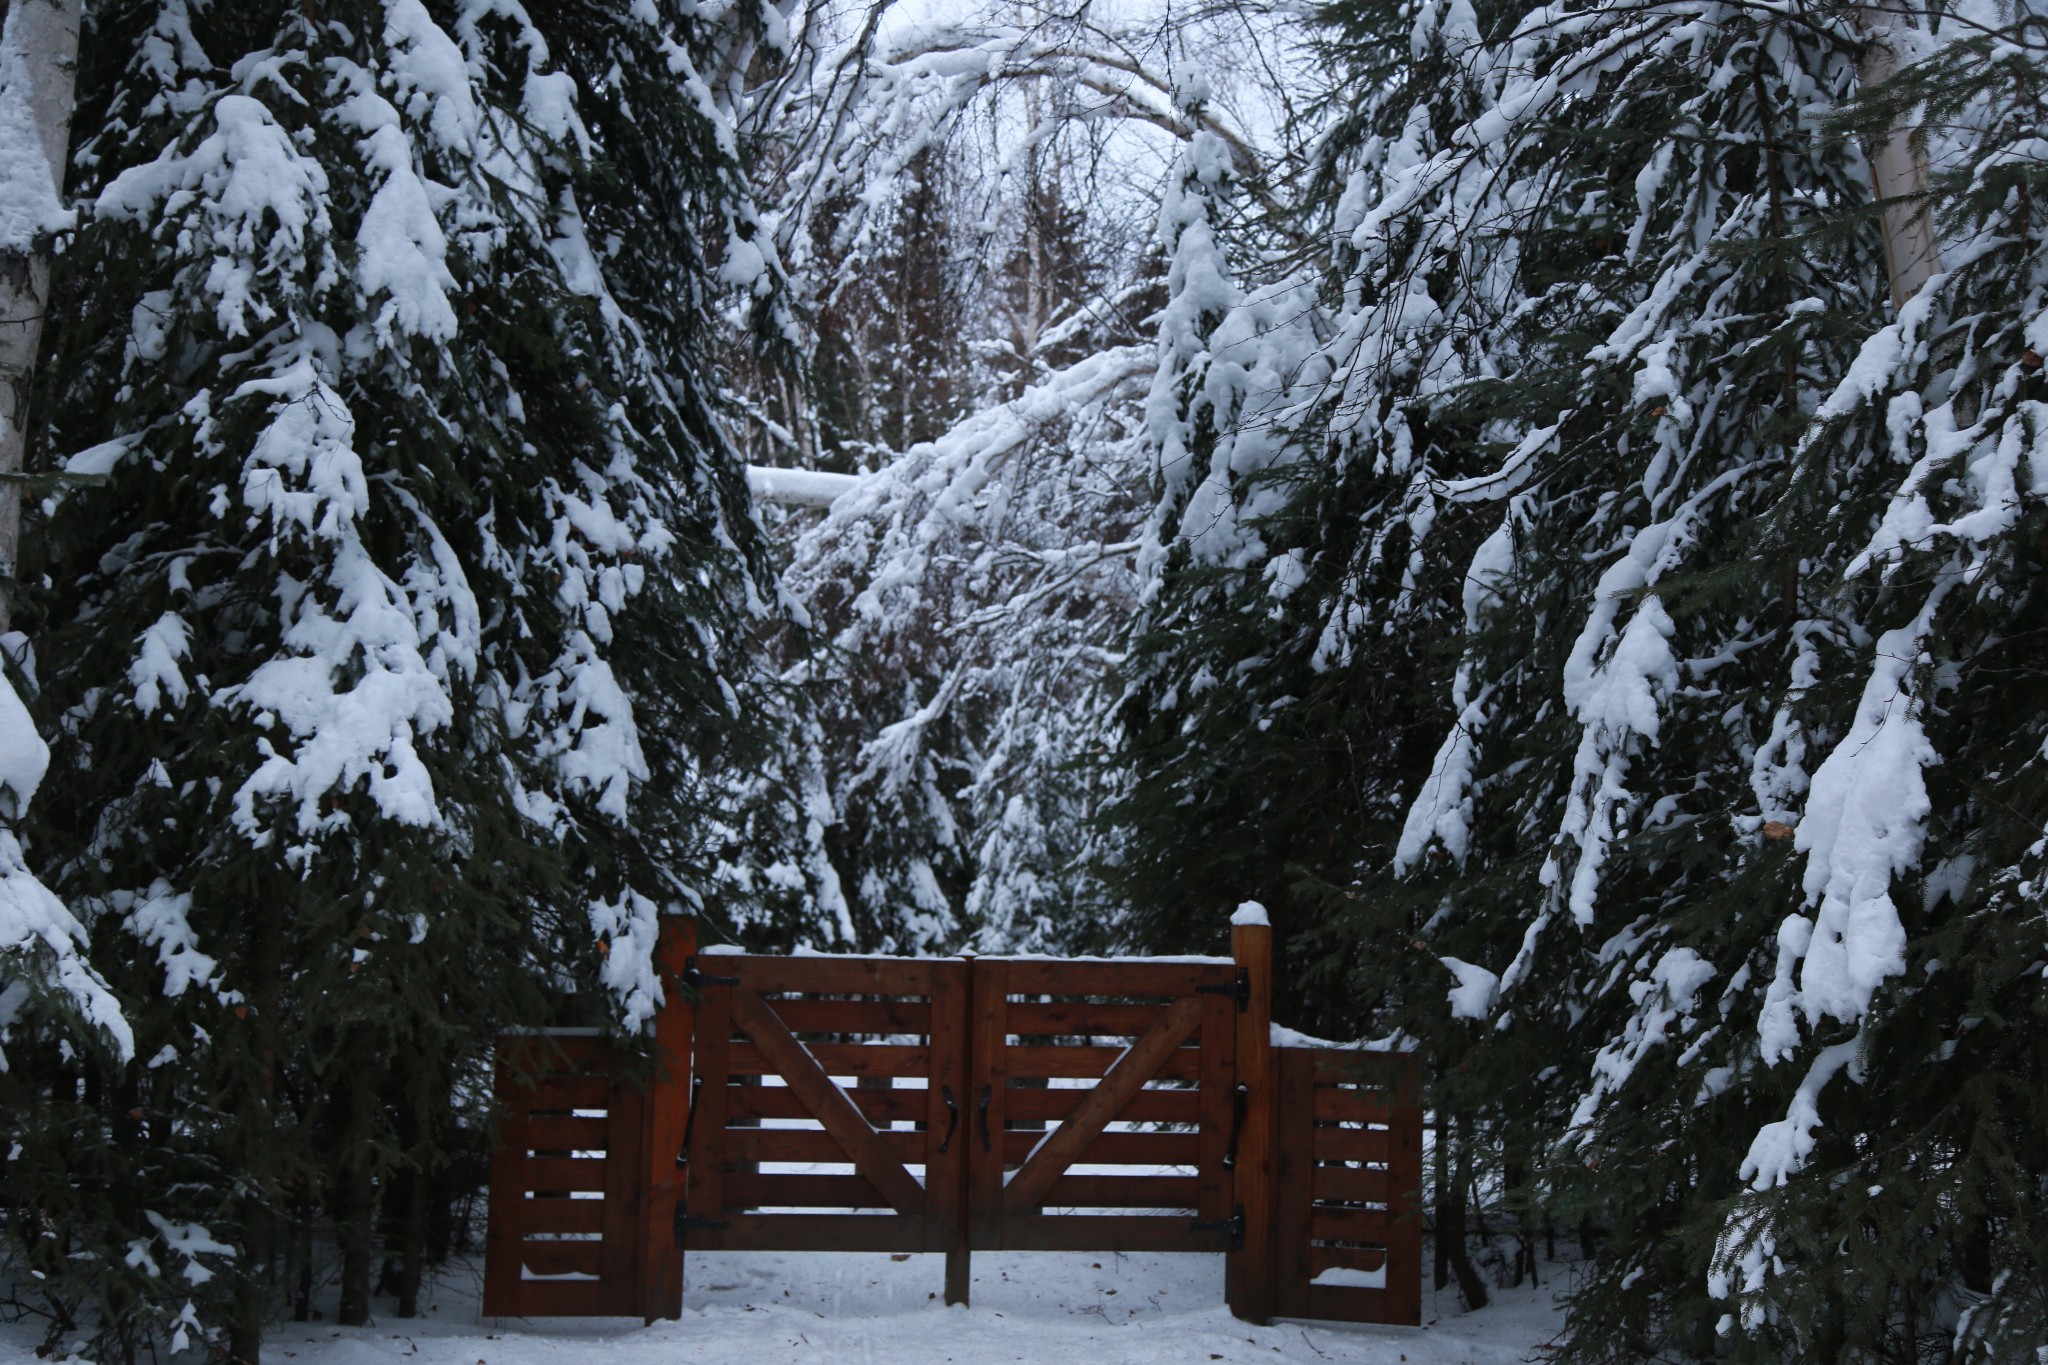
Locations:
{"points": [[1585, 476], [399, 653]]}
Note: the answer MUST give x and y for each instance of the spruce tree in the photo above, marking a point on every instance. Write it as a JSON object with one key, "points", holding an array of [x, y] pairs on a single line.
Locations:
{"points": [[399, 651]]}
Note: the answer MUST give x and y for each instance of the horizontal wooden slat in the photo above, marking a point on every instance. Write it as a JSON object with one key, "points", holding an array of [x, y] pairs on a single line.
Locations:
{"points": [[1334, 1303], [555, 1135], [743, 1191], [1353, 1106], [1326, 1224], [1074, 1018], [546, 1055], [840, 1059], [1108, 1232], [1117, 1149], [555, 1092], [1333, 1183], [1147, 1106], [812, 1232], [561, 1173], [828, 975], [780, 1102], [1140, 980], [1351, 1144], [1124, 1192], [1379, 1070], [853, 1016], [1092, 1063], [576, 1299], [811, 1144], [561, 1258], [558, 1215], [1321, 1258]]}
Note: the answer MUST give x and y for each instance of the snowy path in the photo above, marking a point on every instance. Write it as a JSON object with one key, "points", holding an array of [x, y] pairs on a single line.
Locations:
{"points": [[867, 1309]]}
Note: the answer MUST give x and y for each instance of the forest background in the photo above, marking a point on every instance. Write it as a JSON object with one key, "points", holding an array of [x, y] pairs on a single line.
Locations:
{"points": [[1548, 498]]}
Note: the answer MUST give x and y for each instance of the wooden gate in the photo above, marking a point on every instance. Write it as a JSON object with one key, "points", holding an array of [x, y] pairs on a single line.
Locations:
{"points": [[827, 1106], [1106, 1108], [902, 1105]]}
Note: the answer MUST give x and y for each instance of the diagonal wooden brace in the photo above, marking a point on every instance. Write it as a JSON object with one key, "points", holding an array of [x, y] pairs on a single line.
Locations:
{"points": [[827, 1102], [1027, 1188]]}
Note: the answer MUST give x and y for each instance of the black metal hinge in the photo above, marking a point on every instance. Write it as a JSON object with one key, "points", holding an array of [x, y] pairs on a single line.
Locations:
{"points": [[697, 978], [1234, 1225], [687, 1222], [1239, 990]]}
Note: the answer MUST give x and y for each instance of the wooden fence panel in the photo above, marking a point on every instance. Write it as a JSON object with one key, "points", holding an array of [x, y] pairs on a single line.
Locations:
{"points": [[1347, 1217]]}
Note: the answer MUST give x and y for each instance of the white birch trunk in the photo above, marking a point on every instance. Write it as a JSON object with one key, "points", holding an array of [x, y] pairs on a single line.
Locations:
{"points": [[38, 76], [1897, 172]]}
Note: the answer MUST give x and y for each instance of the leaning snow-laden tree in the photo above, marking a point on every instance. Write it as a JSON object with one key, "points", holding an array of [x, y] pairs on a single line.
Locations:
{"points": [[969, 597], [398, 643]]}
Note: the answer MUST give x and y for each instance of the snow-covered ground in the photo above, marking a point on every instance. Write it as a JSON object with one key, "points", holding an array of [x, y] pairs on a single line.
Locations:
{"points": [[811, 1308]]}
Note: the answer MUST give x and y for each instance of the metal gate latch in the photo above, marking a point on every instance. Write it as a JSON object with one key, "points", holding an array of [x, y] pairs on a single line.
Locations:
{"points": [[1239, 990], [696, 978], [1234, 1225]]}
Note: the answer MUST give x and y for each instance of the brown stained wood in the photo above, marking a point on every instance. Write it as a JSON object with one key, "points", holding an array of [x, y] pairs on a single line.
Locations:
{"points": [[1361, 1184], [828, 1103], [1353, 1106], [1219, 1077], [540, 1055], [1124, 1192], [1387, 1071], [1248, 1270], [824, 975], [707, 1154], [1344, 1303], [986, 1102], [814, 1145], [878, 1017], [625, 1193], [666, 1106], [837, 1059], [502, 1233], [1126, 980], [802, 1192], [813, 1232], [554, 1134], [1107, 1232], [576, 1299], [1092, 1063], [948, 1130], [1371, 1145], [1365, 1258], [1066, 1143], [877, 1106], [558, 1215], [1114, 1149], [561, 1174], [554, 1092], [1080, 1018], [1404, 1173], [1147, 1106], [561, 1258], [1327, 1224], [1293, 1168]]}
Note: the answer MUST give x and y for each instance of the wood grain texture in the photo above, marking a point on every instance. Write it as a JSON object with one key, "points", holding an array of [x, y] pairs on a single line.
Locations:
{"points": [[828, 1103]]}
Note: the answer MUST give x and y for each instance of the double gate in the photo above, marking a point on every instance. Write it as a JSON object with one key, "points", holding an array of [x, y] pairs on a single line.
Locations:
{"points": [[955, 1105]]}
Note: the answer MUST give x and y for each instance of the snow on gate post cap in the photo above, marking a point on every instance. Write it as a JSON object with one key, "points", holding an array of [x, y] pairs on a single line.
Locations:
{"points": [[1251, 912]]}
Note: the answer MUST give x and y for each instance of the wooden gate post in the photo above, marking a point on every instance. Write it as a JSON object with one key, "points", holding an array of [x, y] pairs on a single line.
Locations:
{"points": [[667, 1109], [1248, 1270]]}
